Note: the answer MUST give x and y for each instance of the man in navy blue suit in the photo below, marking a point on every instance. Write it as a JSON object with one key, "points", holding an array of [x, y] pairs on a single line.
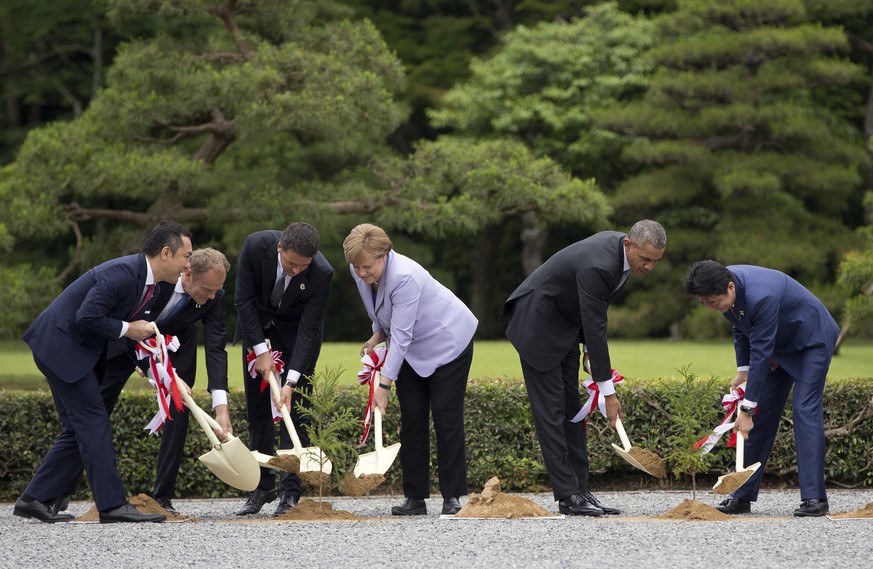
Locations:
{"points": [[783, 337], [69, 340]]}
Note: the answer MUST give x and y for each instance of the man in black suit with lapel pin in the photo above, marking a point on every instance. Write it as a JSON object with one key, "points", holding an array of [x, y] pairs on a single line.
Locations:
{"points": [[282, 286], [558, 306], [69, 340]]}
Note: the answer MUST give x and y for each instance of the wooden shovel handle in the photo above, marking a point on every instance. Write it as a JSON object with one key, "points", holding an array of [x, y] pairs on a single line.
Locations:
{"points": [[286, 417], [622, 434], [741, 446]]}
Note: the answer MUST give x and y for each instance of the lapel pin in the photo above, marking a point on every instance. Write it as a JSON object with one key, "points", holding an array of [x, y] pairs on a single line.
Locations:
{"points": [[302, 286], [742, 312]]}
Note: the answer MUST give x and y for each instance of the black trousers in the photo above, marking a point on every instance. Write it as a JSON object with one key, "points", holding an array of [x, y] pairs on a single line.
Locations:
{"points": [[114, 373], [262, 428], [554, 400], [442, 394]]}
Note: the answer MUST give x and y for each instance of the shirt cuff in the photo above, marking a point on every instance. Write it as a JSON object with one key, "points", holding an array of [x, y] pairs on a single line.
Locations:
{"points": [[293, 376], [124, 327], [742, 368], [606, 387], [259, 349], [747, 403], [219, 397]]}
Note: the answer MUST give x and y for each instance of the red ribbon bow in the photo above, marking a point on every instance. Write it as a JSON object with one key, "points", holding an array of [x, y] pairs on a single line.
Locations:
{"points": [[730, 402], [253, 373], [594, 400], [163, 377], [373, 363]]}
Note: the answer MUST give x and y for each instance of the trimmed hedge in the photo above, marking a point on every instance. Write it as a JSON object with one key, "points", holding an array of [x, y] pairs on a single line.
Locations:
{"points": [[500, 439]]}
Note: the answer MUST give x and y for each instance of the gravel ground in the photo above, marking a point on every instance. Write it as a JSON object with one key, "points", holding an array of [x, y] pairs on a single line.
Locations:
{"points": [[769, 537]]}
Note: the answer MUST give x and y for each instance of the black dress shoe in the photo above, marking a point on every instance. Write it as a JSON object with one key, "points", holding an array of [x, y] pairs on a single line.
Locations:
{"points": [[166, 504], [35, 509], [256, 501], [288, 502], [451, 506], [126, 513], [731, 505], [410, 507], [596, 503], [59, 505], [577, 505], [811, 509]]}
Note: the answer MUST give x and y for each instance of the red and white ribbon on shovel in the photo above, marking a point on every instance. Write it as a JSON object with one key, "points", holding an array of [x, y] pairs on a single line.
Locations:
{"points": [[253, 373], [373, 363], [594, 399], [162, 376], [730, 402]]}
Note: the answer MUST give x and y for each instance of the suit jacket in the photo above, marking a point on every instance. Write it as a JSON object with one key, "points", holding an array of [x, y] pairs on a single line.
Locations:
{"points": [[426, 324], [564, 302], [299, 321], [775, 318], [183, 325], [71, 334]]}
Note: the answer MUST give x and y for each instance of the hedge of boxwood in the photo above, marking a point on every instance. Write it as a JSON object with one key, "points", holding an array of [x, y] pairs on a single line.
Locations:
{"points": [[500, 439]]}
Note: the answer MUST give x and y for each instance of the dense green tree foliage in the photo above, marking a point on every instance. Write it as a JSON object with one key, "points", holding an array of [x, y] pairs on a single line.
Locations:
{"points": [[735, 158]]}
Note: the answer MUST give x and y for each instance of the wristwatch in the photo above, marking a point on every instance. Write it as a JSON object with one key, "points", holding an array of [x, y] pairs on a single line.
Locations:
{"points": [[747, 410], [384, 386]]}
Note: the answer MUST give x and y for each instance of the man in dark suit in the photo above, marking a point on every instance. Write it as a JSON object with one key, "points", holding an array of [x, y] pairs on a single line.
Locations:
{"points": [[783, 337], [282, 286], [68, 340], [197, 296], [561, 304]]}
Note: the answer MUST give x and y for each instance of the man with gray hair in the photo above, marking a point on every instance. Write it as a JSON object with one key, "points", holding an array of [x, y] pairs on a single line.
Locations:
{"points": [[561, 304], [197, 296]]}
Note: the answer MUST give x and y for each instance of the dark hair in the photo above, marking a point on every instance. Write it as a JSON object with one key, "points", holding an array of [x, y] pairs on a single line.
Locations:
{"points": [[300, 237], [707, 278], [165, 234]]}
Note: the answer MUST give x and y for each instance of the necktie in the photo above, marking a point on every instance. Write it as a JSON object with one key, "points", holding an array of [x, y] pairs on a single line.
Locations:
{"points": [[621, 282], [175, 308], [149, 292], [278, 290]]}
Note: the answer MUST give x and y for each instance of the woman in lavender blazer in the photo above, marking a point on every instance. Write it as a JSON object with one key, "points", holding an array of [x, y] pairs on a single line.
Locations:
{"points": [[429, 332]]}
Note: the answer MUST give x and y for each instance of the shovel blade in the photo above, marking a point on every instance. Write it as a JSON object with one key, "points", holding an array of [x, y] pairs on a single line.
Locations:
{"points": [[731, 481], [629, 459], [312, 459], [378, 461], [234, 465]]}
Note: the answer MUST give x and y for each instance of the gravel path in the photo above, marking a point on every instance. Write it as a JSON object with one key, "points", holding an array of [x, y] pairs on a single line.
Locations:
{"points": [[769, 537]]}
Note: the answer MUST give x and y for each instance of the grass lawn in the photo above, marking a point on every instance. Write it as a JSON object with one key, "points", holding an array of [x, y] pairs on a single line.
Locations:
{"points": [[633, 358]]}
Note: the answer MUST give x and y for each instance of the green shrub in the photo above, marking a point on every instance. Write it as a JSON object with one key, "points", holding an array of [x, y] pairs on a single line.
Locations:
{"points": [[500, 438]]}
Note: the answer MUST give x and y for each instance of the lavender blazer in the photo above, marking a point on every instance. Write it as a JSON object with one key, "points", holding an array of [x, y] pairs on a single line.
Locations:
{"points": [[426, 324]]}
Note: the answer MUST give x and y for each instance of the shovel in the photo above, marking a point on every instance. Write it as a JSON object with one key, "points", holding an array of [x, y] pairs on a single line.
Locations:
{"points": [[312, 459], [380, 460], [731, 481], [230, 460], [655, 464]]}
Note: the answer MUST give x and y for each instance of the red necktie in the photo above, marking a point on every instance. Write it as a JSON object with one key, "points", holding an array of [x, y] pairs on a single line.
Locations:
{"points": [[149, 292]]}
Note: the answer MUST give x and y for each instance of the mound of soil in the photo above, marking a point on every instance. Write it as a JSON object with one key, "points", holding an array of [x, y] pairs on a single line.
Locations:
{"points": [[310, 510], [696, 511], [145, 504], [287, 462], [865, 512], [360, 485], [492, 503], [311, 480], [653, 463]]}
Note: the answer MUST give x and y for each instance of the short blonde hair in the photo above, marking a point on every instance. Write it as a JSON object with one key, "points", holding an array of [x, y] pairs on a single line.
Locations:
{"points": [[366, 239], [204, 260]]}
